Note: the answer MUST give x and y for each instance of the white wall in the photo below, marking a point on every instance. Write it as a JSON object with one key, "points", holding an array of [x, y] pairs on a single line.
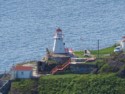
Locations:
{"points": [[59, 46], [123, 45], [13, 74], [23, 74]]}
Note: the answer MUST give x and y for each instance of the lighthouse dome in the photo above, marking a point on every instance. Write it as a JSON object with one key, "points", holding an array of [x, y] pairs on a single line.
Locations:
{"points": [[123, 37], [58, 30], [123, 40]]}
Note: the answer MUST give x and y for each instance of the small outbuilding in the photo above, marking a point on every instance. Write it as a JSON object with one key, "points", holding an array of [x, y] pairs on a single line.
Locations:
{"points": [[21, 72]]}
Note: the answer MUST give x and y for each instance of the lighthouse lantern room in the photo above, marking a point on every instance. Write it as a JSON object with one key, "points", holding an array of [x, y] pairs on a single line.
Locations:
{"points": [[59, 46]]}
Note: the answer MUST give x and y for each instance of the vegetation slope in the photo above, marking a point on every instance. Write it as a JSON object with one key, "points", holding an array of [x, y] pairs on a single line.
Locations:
{"points": [[72, 84], [109, 79]]}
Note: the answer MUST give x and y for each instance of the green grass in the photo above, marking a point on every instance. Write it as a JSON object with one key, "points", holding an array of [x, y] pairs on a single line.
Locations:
{"points": [[79, 54], [102, 52], [107, 50]]}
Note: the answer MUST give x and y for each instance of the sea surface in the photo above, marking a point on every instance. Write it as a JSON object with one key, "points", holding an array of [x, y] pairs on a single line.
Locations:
{"points": [[27, 26]]}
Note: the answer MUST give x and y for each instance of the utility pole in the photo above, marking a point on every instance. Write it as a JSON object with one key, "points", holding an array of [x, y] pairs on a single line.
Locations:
{"points": [[98, 49]]}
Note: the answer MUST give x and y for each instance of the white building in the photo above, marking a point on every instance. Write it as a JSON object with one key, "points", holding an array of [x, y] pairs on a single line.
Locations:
{"points": [[123, 43], [21, 72], [59, 46]]}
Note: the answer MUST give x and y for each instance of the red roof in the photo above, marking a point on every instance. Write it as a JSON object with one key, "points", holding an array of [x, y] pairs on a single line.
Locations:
{"points": [[123, 37], [58, 30], [123, 40], [22, 68]]}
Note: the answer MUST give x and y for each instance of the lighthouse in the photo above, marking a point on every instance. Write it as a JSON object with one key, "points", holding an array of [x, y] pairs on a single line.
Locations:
{"points": [[59, 46]]}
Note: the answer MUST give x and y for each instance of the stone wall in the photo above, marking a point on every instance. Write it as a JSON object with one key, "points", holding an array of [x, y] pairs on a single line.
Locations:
{"points": [[57, 58], [82, 68], [4, 89], [60, 60]]}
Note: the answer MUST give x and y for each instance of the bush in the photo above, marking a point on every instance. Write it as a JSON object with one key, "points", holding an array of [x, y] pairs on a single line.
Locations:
{"points": [[23, 87], [82, 84], [121, 72], [71, 84], [100, 63], [106, 68]]}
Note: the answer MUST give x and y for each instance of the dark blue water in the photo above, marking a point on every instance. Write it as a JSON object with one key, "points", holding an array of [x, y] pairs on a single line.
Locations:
{"points": [[27, 26]]}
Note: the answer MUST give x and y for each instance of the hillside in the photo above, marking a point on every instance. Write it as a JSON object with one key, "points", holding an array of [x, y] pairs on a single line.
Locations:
{"points": [[73, 84], [108, 79], [24, 87]]}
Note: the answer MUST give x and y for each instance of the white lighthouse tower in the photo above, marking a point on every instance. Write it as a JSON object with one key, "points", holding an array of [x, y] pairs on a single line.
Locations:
{"points": [[59, 46]]}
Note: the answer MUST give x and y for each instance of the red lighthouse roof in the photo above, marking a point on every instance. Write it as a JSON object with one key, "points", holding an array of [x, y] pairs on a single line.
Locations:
{"points": [[58, 30], [123, 37], [123, 40], [25, 68]]}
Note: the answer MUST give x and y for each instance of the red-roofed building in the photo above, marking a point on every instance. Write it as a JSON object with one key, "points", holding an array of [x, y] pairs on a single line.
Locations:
{"points": [[25, 68], [21, 72]]}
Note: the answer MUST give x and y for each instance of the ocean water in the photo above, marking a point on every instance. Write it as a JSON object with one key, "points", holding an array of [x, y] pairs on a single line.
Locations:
{"points": [[27, 26]]}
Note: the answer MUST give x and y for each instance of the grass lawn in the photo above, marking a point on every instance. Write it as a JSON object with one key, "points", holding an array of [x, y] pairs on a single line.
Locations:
{"points": [[107, 50], [102, 52]]}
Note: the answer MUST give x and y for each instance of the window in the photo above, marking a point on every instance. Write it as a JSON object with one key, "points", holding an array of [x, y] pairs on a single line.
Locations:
{"points": [[22, 73]]}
